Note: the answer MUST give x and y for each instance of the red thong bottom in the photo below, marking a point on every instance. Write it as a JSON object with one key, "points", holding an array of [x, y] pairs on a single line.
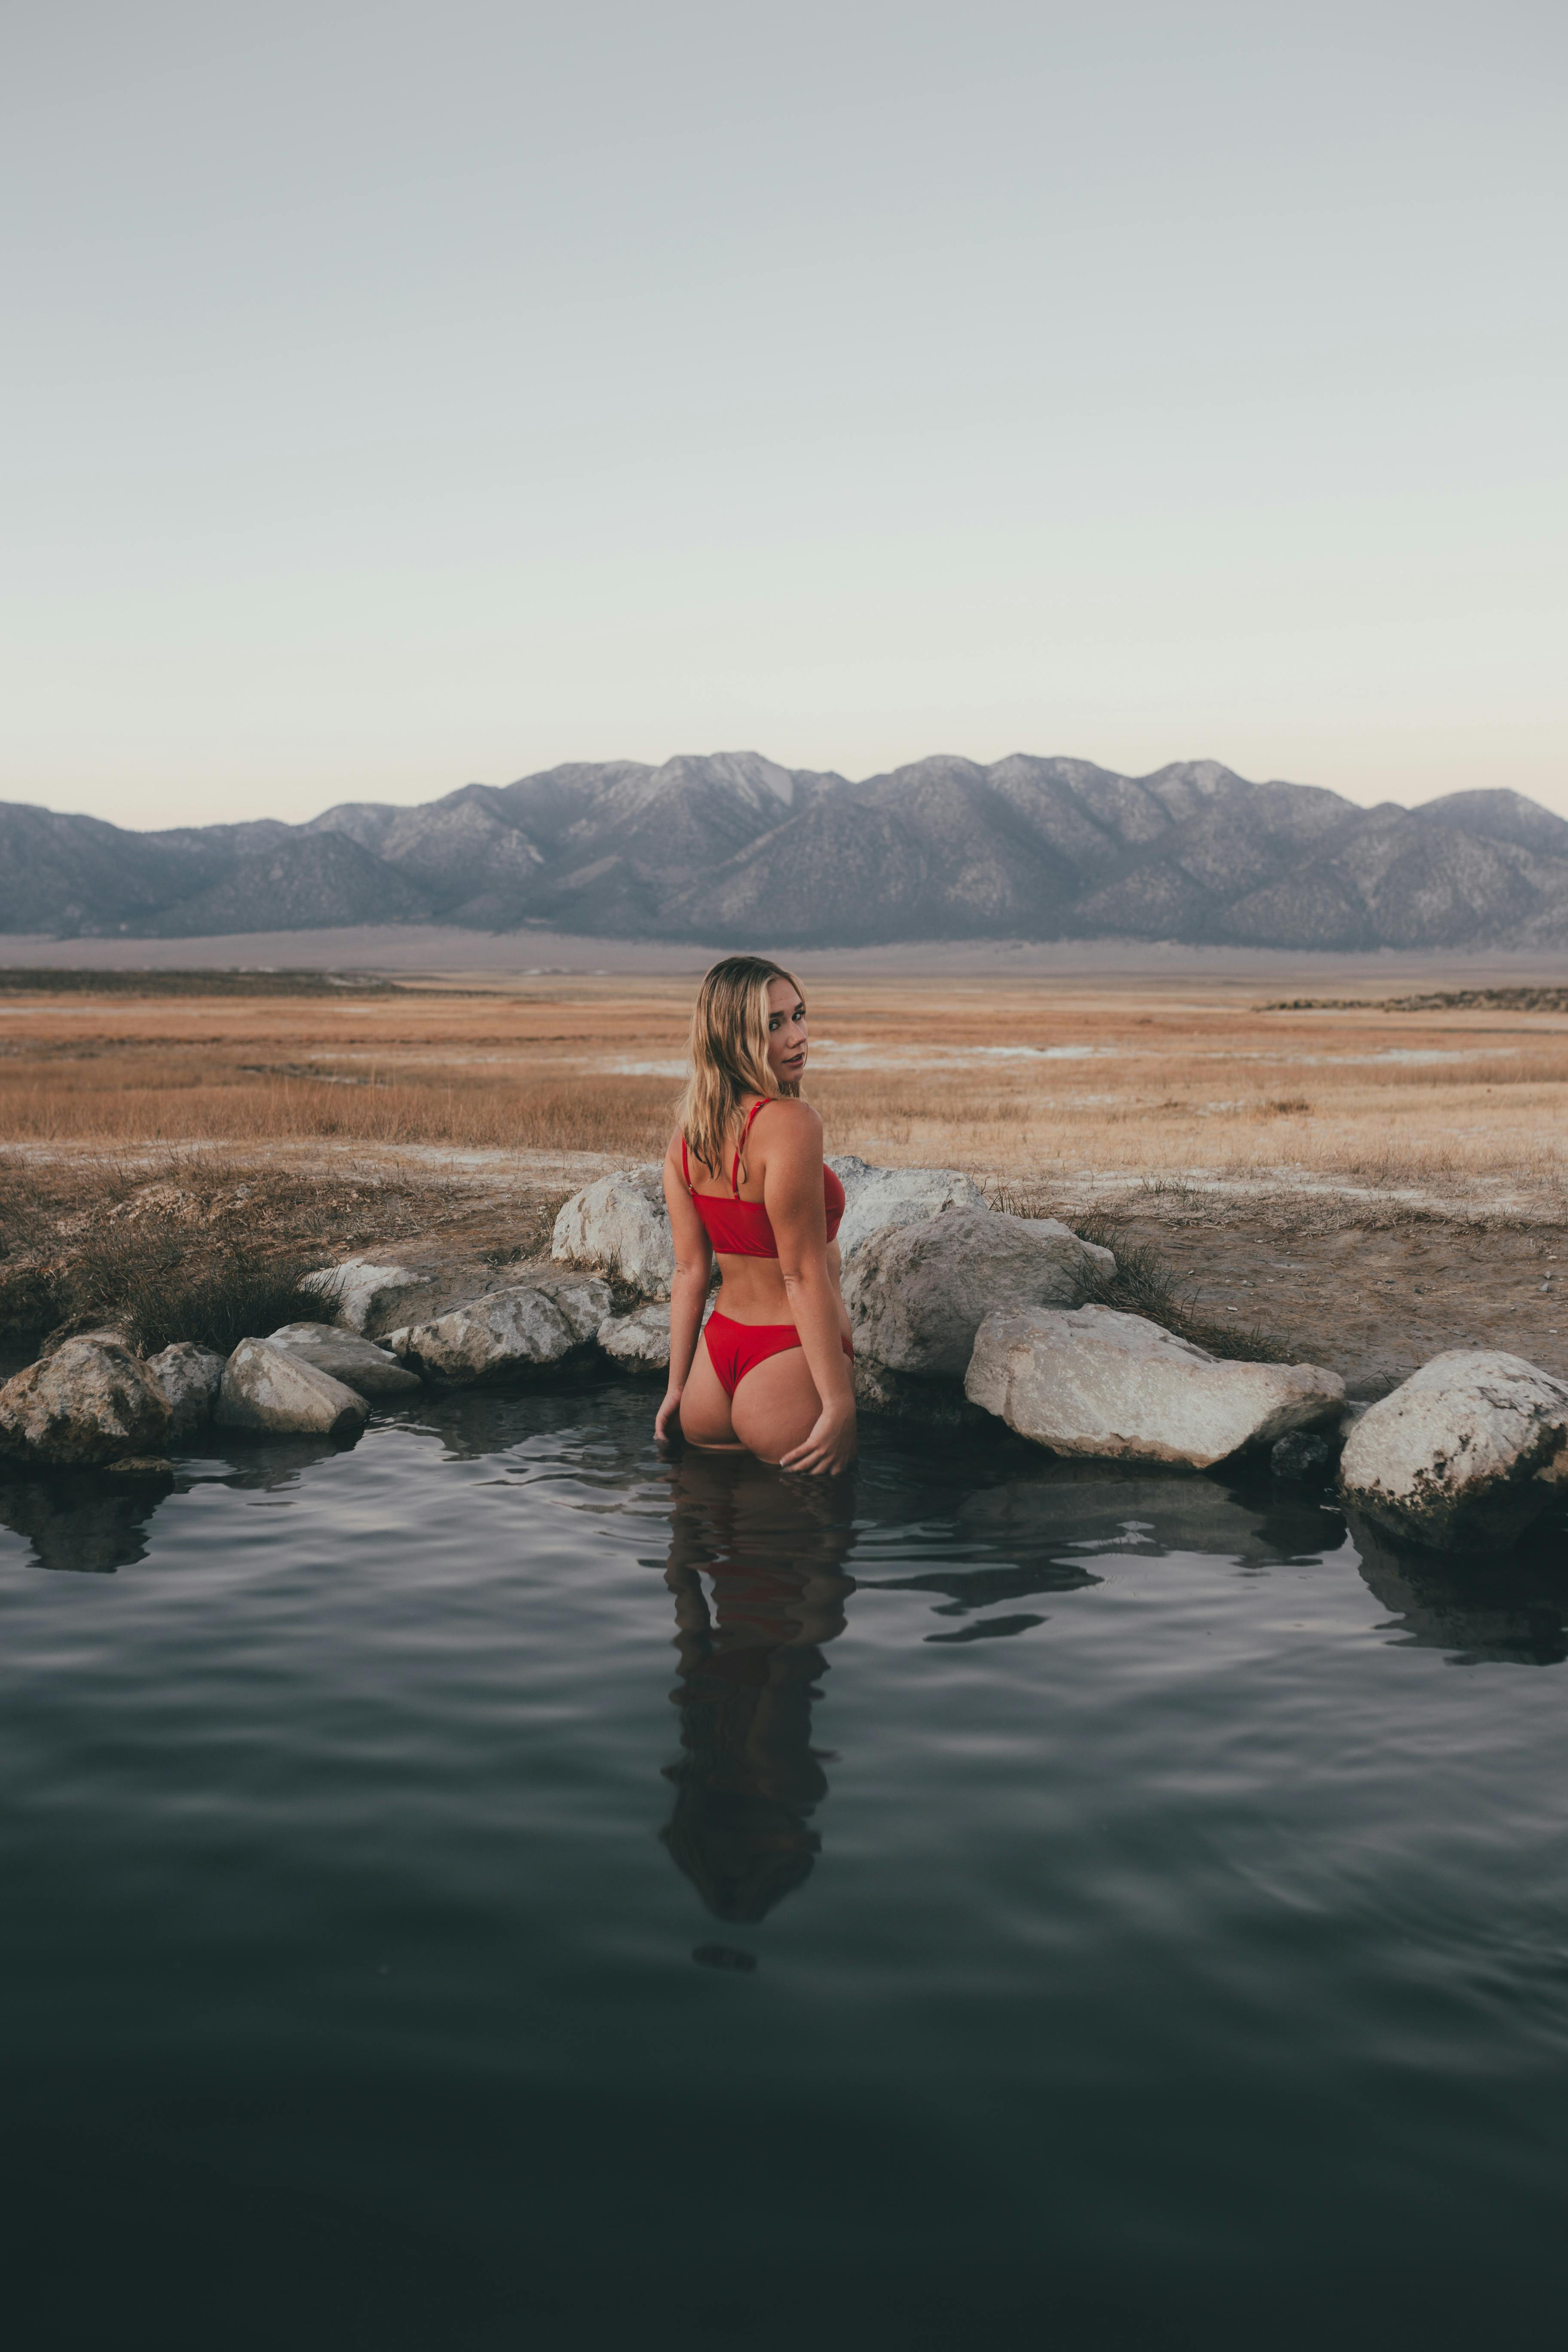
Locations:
{"points": [[736, 1348]]}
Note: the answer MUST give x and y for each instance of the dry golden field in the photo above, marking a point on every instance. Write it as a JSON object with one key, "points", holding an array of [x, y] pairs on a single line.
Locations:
{"points": [[1046, 1083]]}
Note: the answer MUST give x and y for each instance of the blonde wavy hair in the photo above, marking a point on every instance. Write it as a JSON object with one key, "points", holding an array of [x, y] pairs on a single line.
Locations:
{"points": [[728, 1054]]}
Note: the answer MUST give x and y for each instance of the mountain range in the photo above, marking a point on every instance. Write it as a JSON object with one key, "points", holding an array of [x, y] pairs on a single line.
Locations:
{"points": [[732, 848]]}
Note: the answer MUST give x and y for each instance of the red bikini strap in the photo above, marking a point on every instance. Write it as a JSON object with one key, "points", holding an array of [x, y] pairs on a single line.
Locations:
{"points": [[761, 1104]]}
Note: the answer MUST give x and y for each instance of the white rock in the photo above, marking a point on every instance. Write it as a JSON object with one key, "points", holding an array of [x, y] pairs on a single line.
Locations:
{"points": [[619, 1225], [270, 1389], [918, 1293], [358, 1363], [1096, 1381], [1468, 1449], [190, 1377], [510, 1331], [876, 1199], [91, 1401]]}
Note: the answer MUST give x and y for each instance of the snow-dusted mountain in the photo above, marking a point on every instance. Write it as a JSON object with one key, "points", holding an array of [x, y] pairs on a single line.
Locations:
{"points": [[731, 846]]}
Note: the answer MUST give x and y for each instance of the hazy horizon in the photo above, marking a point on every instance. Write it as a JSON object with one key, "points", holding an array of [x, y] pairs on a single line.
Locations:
{"points": [[401, 398]]}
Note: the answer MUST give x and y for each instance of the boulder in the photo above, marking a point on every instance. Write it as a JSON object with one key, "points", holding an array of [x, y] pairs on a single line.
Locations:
{"points": [[267, 1387], [509, 1332], [876, 1199], [91, 1401], [918, 1293], [1468, 1451], [190, 1377], [640, 1341], [619, 1226], [370, 1296], [356, 1362], [1097, 1382]]}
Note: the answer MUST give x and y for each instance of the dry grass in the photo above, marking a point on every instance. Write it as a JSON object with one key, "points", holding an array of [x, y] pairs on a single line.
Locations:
{"points": [[210, 1248], [156, 1098]]}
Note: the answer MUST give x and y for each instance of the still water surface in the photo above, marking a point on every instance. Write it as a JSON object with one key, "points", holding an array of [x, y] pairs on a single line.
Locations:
{"points": [[499, 1888]]}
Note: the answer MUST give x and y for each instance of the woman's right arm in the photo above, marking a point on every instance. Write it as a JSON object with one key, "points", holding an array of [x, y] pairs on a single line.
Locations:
{"points": [[687, 1292], [792, 1193]]}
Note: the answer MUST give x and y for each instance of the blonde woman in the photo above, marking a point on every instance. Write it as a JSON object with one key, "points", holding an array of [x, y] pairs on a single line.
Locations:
{"points": [[745, 1183]]}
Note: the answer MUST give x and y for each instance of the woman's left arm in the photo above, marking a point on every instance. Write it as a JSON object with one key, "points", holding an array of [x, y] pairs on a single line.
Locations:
{"points": [[687, 1293]]}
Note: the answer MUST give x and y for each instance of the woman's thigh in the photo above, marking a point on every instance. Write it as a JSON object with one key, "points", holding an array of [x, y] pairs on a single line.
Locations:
{"points": [[776, 1404], [704, 1407]]}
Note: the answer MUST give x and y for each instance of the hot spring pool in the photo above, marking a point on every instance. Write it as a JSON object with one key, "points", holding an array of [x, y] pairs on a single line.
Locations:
{"points": [[497, 1887]]}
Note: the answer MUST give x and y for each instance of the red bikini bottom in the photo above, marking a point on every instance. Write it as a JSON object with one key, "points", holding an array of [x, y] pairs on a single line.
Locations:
{"points": [[736, 1348]]}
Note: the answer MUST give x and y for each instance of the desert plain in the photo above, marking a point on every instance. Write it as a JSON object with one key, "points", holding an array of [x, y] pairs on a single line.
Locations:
{"points": [[1356, 1169]]}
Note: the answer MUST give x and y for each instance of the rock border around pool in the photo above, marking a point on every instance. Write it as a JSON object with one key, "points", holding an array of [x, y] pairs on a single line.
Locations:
{"points": [[961, 1315]]}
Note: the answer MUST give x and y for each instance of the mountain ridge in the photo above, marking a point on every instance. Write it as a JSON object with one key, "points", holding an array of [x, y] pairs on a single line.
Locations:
{"points": [[732, 846]]}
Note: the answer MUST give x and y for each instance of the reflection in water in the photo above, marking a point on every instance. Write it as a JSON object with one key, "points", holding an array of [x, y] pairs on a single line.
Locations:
{"points": [[82, 1521], [749, 1779], [1512, 1611], [94, 1521]]}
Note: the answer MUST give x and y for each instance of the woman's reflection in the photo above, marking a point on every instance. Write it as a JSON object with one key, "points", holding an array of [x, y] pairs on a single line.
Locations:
{"points": [[750, 1663]]}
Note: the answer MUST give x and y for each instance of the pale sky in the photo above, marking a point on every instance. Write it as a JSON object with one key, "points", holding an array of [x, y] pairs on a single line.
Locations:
{"points": [[403, 395]]}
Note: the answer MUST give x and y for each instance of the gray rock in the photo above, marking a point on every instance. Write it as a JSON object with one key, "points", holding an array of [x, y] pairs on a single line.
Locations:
{"points": [[1096, 1381], [357, 1286], [510, 1332], [91, 1401], [918, 1293], [639, 1342], [190, 1377], [267, 1387], [619, 1225], [356, 1362], [877, 1199], [1468, 1451], [1302, 1454]]}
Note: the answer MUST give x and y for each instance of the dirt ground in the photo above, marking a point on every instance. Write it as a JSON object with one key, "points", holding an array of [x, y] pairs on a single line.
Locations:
{"points": [[1371, 1305]]}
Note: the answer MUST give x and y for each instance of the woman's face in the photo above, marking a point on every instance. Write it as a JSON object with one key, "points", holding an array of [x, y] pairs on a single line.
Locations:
{"points": [[787, 1033]]}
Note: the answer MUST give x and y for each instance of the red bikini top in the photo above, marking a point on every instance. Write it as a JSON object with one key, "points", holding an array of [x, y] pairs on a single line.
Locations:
{"points": [[743, 1228]]}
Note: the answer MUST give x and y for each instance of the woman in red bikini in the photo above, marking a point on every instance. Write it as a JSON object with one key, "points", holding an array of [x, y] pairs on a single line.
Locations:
{"points": [[745, 1183]]}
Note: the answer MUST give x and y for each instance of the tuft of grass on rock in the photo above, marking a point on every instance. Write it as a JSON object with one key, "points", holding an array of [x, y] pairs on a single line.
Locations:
{"points": [[1143, 1284]]}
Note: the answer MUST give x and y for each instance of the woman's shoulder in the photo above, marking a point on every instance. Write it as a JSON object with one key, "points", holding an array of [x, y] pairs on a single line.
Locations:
{"points": [[789, 1121]]}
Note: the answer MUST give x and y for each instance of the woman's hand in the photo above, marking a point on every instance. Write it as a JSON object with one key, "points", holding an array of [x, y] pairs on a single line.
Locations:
{"points": [[667, 1427], [829, 1445]]}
